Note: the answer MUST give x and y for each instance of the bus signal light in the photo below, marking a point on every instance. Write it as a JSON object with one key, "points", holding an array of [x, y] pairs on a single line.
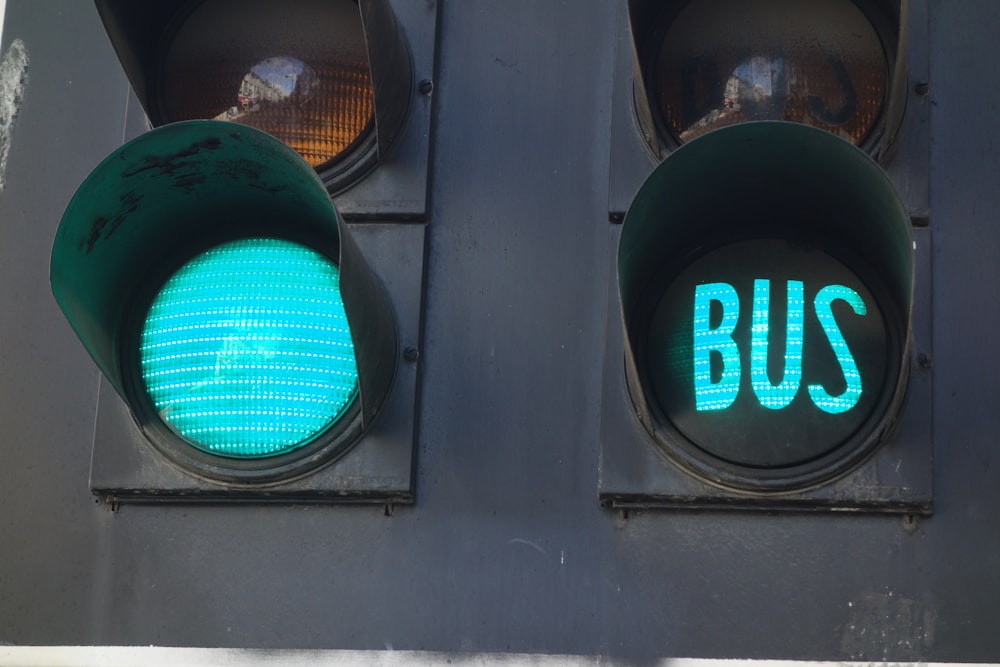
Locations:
{"points": [[766, 281]]}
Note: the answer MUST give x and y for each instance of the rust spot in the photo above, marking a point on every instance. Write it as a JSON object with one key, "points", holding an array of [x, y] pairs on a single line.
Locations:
{"points": [[102, 228], [188, 182], [271, 190], [130, 201], [115, 224], [95, 233], [168, 164], [242, 169]]}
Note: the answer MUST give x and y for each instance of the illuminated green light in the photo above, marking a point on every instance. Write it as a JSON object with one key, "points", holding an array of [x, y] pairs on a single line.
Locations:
{"points": [[766, 353], [824, 312], [776, 396], [722, 394], [715, 395], [246, 351]]}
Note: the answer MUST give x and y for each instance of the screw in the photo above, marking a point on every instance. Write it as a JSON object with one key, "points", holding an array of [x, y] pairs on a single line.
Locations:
{"points": [[426, 87], [922, 88], [411, 354]]}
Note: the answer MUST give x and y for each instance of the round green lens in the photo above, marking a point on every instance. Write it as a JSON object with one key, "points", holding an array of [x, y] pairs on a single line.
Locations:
{"points": [[246, 352]]}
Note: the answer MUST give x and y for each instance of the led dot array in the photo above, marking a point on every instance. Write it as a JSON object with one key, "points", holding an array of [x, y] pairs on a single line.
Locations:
{"points": [[777, 396], [246, 351]]}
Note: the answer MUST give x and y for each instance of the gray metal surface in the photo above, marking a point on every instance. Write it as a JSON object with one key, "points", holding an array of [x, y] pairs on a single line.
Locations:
{"points": [[506, 549]]}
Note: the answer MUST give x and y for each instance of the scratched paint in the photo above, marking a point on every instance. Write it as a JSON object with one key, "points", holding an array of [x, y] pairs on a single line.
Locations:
{"points": [[883, 624], [13, 78]]}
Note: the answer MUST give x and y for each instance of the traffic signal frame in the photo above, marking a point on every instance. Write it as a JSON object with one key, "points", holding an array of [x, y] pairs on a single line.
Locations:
{"points": [[381, 218], [640, 470], [897, 477]]}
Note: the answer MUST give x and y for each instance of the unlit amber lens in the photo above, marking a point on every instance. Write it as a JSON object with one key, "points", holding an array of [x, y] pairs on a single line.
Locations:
{"points": [[295, 69], [722, 62]]}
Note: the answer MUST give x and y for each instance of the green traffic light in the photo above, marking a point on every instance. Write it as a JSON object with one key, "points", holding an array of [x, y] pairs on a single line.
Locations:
{"points": [[246, 351], [272, 348], [766, 279]]}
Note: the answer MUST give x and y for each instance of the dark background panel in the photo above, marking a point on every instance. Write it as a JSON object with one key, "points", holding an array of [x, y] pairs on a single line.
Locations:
{"points": [[506, 548]]}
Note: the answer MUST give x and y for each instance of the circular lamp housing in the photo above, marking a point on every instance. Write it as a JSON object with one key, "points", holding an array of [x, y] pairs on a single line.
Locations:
{"points": [[713, 63], [245, 351], [768, 361], [242, 365], [766, 280], [208, 274], [298, 70]]}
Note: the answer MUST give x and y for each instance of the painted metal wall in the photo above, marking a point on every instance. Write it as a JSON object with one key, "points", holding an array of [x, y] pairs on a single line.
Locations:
{"points": [[506, 548]]}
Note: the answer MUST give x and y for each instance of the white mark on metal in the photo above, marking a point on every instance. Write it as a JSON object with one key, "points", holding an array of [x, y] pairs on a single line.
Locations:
{"points": [[533, 545], [13, 77]]}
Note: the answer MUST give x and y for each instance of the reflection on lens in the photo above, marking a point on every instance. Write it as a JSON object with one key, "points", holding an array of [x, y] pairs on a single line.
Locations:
{"points": [[722, 62], [297, 70]]}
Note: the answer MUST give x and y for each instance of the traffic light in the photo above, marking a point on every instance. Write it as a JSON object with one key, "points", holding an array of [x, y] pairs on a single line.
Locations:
{"points": [[769, 312], [254, 345]]}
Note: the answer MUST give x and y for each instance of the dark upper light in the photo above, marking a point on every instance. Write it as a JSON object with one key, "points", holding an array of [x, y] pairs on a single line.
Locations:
{"points": [[722, 62], [297, 70]]}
